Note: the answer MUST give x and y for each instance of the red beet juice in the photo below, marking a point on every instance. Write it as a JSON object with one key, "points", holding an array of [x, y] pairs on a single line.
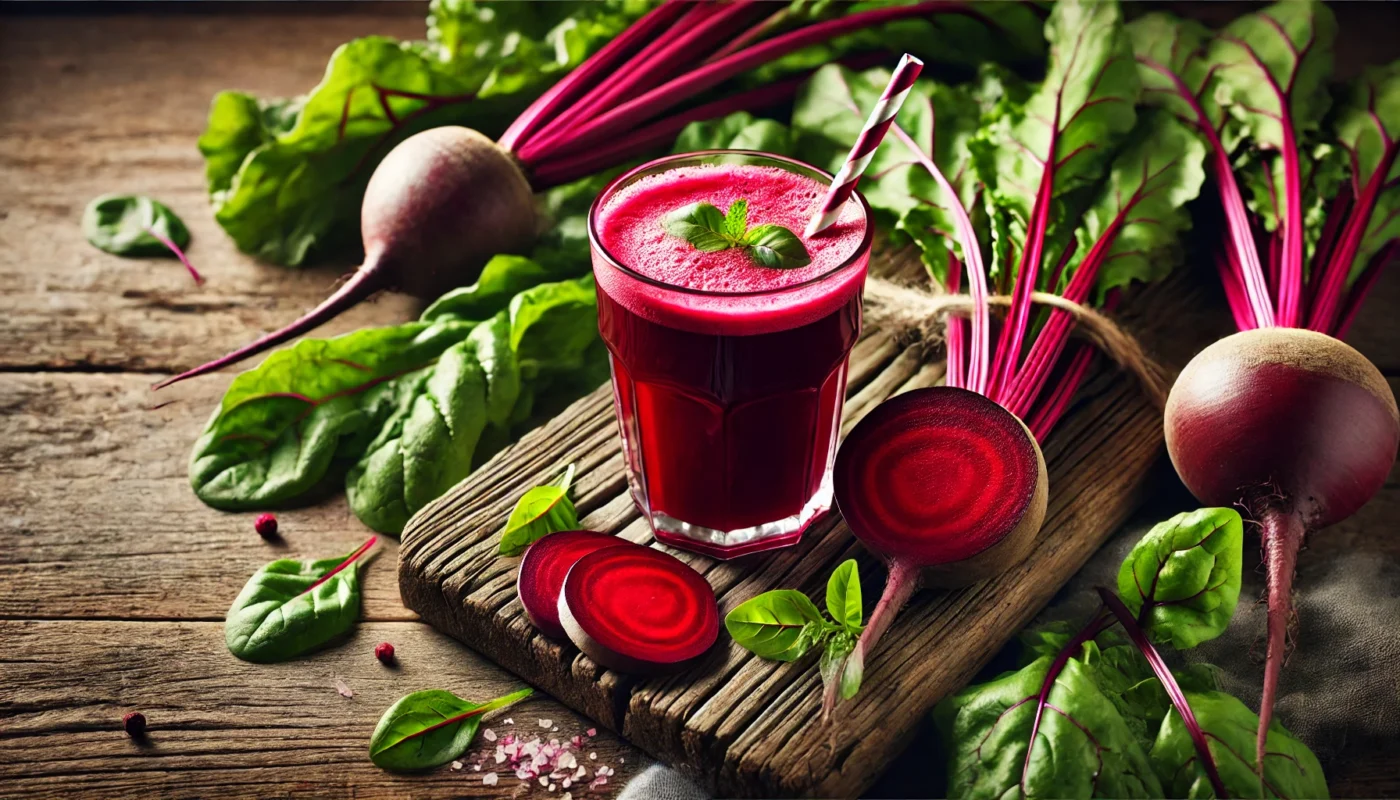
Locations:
{"points": [[728, 376]]}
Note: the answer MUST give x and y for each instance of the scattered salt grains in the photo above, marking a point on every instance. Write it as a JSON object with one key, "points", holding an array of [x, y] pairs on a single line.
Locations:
{"points": [[568, 761], [456, 765], [342, 689], [544, 781], [553, 787], [490, 779], [489, 735], [566, 795], [567, 782], [592, 732], [580, 772], [508, 721], [476, 767], [546, 723]]}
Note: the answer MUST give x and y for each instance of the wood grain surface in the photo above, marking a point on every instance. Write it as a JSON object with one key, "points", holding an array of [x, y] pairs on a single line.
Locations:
{"points": [[114, 579]]}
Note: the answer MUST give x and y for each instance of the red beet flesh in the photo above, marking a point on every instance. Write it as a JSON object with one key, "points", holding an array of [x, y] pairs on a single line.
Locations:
{"points": [[638, 610], [1298, 427], [542, 573], [437, 208], [944, 485]]}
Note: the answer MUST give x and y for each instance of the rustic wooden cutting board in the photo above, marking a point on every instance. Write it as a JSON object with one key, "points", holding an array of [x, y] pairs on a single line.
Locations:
{"points": [[741, 725]]}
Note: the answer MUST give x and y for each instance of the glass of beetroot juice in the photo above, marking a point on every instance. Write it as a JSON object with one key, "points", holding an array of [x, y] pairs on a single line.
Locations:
{"points": [[728, 376]]}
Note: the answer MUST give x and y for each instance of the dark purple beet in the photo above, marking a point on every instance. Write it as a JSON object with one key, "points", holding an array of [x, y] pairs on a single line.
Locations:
{"points": [[437, 208], [946, 487], [1296, 426], [638, 610], [542, 573]]}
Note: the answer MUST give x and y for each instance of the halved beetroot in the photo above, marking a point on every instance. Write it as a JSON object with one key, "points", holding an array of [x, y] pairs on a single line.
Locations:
{"points": [[543, 569], [638, 610]]}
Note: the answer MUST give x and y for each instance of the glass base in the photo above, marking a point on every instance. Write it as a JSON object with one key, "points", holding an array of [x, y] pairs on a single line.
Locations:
{"points": [[742, 541]]}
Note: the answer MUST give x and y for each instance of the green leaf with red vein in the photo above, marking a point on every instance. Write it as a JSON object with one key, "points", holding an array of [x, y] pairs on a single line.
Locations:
{"points": [[430, 728], [1182, 579], [1167, 49], [1134, 226], [1368, 127], [1290, 768], [1082, 747]]}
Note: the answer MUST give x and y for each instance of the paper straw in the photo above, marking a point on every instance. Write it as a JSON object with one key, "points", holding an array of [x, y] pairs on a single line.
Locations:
{"points": [[881, 117]]}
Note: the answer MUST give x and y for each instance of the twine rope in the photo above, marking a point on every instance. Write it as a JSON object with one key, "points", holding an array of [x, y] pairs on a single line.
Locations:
{"points": [[911, 310]]}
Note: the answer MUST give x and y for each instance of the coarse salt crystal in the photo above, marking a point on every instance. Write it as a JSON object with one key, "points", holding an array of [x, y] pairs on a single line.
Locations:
{"points": [[544, 781], [567, 761], [592, 731], [568, 782], [489, 735], [580, 772], [546, 723], [553, 787], [567, 795], [508, 721], [524, 773], [577, 741], [476, 767], [592, 756], [490, 779], [456, 765], [342, 689]]}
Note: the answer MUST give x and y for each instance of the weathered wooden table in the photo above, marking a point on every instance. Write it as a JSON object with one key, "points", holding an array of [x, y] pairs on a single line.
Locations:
{"points": [[114, 579]]}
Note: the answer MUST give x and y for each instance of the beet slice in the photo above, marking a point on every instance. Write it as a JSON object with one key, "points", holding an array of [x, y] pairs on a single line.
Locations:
{"points": [[543, 569], [638, 610], [947, 487]]}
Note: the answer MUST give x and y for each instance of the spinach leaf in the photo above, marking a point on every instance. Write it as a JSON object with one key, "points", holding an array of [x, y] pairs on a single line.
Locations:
{"points": [[539, 512], [290, 607], [501, 279], [843, 600], [781, 625], [133, 225], [1083, 747], [1182, 579], [430, 728], [286, 176], [1290, 768], [282, 427]]}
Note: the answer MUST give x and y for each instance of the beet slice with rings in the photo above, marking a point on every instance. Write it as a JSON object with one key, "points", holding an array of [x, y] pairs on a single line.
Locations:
{"points": [[946, 487], [638, 610], [543, 569]]}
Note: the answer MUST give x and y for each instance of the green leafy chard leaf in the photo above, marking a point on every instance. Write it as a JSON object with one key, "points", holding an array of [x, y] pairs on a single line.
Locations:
{"points": [[1274, 65], [1076, 119], [501, 279], [1142, 204], [1290, 768], [290, 607], [430, 728], [1186, 573], [133, 225], [843, 600], [539, 512], [738, 131], [1368, 126], [775, 247], [1165, 44], [1083, 747], [781, 625]]}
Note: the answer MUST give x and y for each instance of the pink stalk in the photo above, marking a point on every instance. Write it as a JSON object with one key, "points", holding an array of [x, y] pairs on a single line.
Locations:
{"points": [[695, 34], [1290, 286], [1246, 259], [342, 565], [1282, 536], [1013, 332], [1337, 215], [751, 35], [1048, 416], [556, 171], [1234, 292], [180, 254], [680, 89], [571, 86], [1173, 689], [1327, 305], [976, 271], [957, 330], [1363, 285]]}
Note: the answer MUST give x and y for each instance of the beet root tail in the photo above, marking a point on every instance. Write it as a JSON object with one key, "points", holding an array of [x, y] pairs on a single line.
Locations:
{"points": [[902, 583], [1282, 536], [365, 282]]}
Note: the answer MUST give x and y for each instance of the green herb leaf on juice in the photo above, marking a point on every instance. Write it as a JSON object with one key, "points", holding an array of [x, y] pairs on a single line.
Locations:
{"points": [[702, 225], [1186, 572], [843, 600], [781, 625], [291, 607], [539, 512], [710, 231], [136, 226], [776, 247], [430, 728]]}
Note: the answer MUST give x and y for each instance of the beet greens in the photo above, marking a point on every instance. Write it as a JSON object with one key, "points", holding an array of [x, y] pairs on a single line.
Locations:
{"points": [[1311, 427]]}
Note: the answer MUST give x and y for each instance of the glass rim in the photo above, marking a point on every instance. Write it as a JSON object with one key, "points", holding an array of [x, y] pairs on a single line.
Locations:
{"points": [[862, 249]]}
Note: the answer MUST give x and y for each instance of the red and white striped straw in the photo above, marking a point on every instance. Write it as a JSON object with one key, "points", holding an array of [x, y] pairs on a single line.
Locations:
{"points": [[881, 117]]}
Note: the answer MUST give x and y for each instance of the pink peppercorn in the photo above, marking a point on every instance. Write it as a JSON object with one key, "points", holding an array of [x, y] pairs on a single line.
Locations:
{"points": [[384, 652], [134, 724], [266, 526]]}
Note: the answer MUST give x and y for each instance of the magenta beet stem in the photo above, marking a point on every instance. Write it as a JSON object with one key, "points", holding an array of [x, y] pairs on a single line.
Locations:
{"points": [[1173, 689], [900, 585], [366, 281], [342, 565], [180, 254]]}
